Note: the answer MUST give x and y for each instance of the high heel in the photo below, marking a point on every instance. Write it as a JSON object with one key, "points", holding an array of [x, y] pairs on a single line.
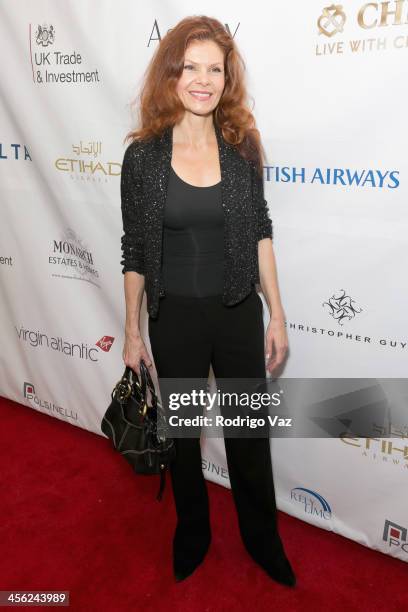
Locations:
{"points": [[190, 546], [273, 560], [281, 571]]}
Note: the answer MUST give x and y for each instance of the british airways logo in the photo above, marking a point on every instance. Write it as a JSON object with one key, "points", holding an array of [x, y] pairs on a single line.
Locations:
{"points": [[336, 177]]}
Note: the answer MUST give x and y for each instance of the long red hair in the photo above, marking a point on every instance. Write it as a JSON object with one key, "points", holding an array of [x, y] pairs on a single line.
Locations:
{"points": [[159, 106]]}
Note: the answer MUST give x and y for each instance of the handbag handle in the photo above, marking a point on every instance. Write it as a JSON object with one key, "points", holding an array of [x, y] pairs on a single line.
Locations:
{"points": [[145, 381]]}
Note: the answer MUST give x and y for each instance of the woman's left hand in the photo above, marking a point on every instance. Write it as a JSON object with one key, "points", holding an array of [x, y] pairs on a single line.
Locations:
{"points": [[276, 343]]}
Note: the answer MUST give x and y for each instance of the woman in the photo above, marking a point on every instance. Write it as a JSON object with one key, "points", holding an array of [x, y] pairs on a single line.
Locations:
{"points": [[197, 237]]}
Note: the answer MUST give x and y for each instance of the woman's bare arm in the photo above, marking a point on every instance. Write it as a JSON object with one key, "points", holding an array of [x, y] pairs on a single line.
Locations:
{"points": [[134, 348]]}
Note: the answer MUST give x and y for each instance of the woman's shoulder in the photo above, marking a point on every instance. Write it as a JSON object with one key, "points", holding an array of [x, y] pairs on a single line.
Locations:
{"points": [[135, 153]]}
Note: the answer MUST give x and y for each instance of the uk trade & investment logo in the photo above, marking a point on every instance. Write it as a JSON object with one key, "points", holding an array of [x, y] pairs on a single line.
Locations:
{"points": [[44, 35], [52, 65], [37, 402], [395, 535], [311, 502]]}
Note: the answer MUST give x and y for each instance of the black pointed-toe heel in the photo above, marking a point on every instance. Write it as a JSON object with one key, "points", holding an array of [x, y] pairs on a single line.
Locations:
{"points": [[274, 561], [190, 547], [281, 571]]}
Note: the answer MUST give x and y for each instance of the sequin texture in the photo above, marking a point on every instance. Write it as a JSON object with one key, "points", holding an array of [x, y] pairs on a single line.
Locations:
{"points": [[144, 179]]}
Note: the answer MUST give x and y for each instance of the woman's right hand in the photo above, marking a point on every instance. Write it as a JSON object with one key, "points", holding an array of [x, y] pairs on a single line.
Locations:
{"points": [[133, 351]]}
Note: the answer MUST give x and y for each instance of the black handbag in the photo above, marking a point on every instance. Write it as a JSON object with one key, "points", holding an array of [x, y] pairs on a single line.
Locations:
{"points": [[133, 426]]}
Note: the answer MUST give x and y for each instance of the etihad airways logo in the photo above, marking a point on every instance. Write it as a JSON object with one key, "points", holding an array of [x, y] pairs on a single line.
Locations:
{"points": [[85, 161], [81, 350]]}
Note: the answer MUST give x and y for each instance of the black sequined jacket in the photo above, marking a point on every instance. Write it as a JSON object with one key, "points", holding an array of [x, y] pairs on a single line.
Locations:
{"points": [[144, 179]]}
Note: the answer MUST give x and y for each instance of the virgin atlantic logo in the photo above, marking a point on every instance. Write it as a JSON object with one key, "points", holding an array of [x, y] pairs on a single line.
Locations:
{"points": [[105, 343]]}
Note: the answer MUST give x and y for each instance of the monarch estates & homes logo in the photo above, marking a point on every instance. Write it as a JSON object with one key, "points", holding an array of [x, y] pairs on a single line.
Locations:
{"points": [[36, 339], [378, 18], [52, 64], [73, 259], [46, 405]]}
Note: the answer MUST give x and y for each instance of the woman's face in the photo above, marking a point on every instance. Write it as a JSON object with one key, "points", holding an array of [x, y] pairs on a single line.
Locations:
{"points": [[202, 81]]}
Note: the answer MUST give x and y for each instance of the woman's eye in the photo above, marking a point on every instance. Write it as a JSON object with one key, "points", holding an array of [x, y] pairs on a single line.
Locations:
{"points": [[216, 69]]}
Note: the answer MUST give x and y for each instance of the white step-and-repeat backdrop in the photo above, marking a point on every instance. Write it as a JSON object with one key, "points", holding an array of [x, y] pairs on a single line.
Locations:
{"points": [[330, 99]]}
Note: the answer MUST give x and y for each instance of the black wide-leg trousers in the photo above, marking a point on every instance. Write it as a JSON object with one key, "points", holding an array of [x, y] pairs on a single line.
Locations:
{"points": [[189, 334]]}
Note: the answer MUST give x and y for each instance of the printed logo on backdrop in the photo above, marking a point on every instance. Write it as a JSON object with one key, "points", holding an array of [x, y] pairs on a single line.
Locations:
{"points": [[53, 62], [78, 350], [14, 151], [156, 36], [214, 468], [87, 163], [395, 535], [46, 405], [311, 502], [378, 19], [72, 259], [6, 260], [343, 309], [393, 452], [365, 178]]}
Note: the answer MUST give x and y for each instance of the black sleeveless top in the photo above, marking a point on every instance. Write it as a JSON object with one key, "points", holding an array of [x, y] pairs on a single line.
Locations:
{"points": [[193, 239]]}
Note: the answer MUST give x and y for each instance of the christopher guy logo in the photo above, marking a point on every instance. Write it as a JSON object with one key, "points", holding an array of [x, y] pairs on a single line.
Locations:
{"points": [[311, 502], [341, 307], [38, 402], [37, 339], [395, 535], [369, 16]]}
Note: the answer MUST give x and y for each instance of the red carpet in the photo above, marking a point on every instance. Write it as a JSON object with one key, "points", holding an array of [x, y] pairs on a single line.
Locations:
{"points": [[75, 517]]}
